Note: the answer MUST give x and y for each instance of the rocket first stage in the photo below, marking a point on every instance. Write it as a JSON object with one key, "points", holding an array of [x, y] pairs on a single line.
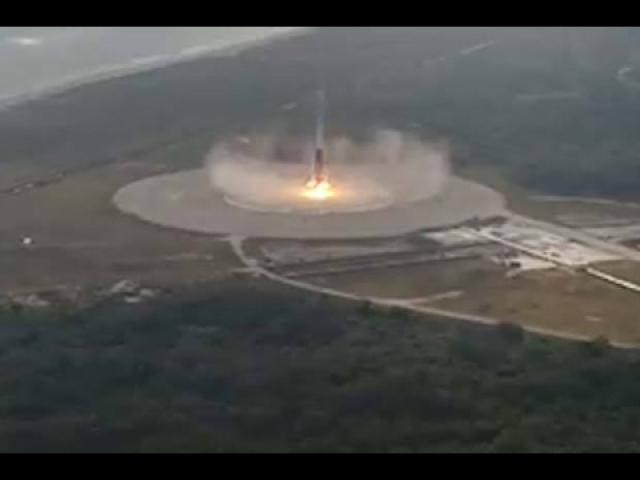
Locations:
{"points": [[318, 170], [318, 187]]}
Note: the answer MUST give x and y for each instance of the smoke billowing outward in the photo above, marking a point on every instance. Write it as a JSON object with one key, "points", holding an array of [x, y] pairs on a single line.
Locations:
{"points": [[268, 172], [388, 185]]}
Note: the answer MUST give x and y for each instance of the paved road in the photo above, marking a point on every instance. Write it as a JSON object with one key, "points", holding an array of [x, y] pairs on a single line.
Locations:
{"points": [[621, 250], [252, 266]]}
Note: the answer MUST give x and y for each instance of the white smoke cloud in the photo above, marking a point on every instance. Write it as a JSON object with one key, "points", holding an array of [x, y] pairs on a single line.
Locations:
{"points": [[269, 172]]}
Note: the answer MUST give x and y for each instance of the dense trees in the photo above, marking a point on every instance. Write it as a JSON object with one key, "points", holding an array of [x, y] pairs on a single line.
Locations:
{"points": [[256, 369]]}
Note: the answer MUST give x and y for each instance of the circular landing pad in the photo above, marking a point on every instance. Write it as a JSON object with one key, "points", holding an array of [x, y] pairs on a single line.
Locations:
{"points": [[186, 200]]}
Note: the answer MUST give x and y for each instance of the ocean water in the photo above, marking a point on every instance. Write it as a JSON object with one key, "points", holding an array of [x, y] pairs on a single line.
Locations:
{"points": [[39, 60]]}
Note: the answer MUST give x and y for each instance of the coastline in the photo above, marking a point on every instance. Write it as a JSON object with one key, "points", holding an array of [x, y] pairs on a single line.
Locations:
{"points": [[147, 64]]}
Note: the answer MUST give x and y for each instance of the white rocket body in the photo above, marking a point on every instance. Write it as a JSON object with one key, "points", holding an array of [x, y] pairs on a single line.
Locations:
{"points": [[318, 170]]}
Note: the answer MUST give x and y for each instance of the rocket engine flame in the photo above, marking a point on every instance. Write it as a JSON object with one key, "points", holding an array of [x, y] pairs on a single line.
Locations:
{"points": [[318, 186], [318, 190]]}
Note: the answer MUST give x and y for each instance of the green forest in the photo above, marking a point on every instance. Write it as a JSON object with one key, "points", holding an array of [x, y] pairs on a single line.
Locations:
{"points": [[208, 370]]}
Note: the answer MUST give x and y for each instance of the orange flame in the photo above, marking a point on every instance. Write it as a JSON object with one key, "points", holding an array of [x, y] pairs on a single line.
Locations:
{"points": [[318, 190]]}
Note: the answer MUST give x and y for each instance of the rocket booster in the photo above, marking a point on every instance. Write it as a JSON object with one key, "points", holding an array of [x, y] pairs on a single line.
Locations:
{"points": [[318, 186], [318, 174]]}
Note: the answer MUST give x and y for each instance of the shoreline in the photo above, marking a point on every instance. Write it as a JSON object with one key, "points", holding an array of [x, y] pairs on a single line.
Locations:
{"points": [[147, 64]]}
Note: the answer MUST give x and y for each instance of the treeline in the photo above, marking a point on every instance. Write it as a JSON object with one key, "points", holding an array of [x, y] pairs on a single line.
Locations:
{"points": [[250, 368]]}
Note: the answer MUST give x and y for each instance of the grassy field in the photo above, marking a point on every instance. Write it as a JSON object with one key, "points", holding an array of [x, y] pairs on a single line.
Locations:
{"points": [[575, 304], [80, 238], [412, 281], [623, 269], [557, 301]]}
